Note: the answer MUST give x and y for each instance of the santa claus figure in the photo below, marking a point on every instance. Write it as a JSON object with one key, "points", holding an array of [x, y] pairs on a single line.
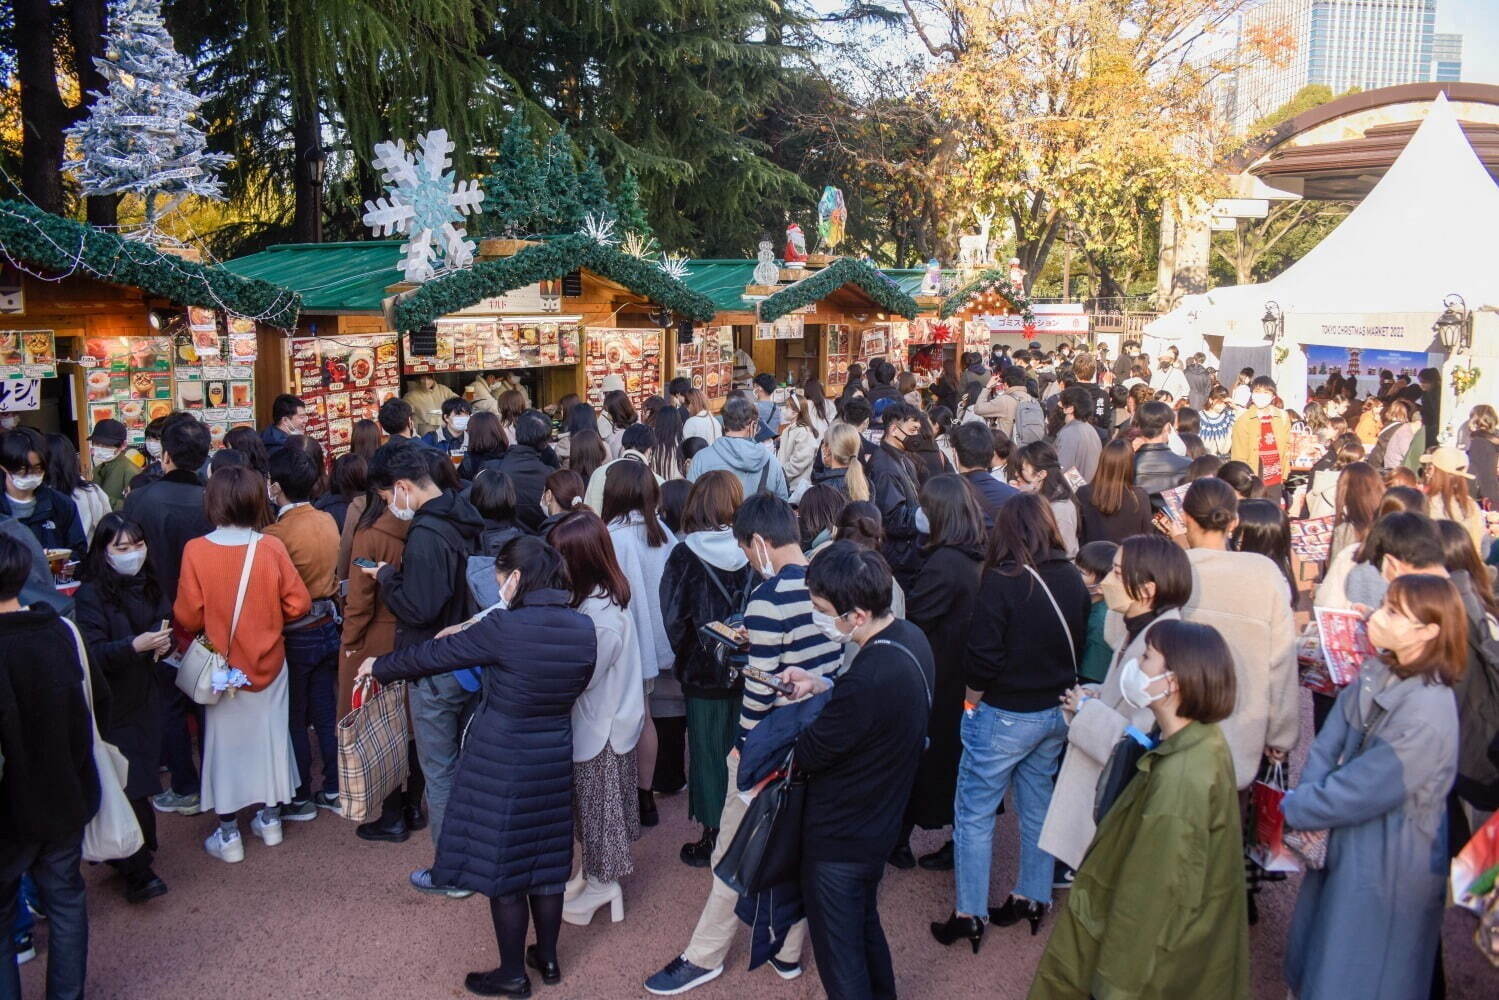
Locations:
{"points": [[796, 247], [1017, 274]]}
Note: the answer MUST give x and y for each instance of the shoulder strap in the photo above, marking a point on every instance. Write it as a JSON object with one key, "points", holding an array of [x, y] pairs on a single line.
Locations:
{"points": [[764, 476], [1066, 629], [244, 583], [919, 672], [88, 680]]}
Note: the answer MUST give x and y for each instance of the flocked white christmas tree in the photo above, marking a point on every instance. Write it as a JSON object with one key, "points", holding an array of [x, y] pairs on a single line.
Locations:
{"points": [[139, 137]]}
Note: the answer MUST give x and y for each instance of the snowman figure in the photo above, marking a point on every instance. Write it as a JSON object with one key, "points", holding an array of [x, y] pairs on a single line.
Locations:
{"points": [[766, 271]]}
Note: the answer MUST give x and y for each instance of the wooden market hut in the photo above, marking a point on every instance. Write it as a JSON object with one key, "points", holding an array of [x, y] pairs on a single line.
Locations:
{"points": [[101, 298], [821, 319], [559, 313]]}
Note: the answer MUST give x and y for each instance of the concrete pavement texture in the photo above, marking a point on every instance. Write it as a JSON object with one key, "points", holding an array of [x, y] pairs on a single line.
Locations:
{"points": [[326, 915]]}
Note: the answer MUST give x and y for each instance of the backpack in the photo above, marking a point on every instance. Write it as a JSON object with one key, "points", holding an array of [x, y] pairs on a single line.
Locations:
{"points": [[1030, 422], [1478, 712]]}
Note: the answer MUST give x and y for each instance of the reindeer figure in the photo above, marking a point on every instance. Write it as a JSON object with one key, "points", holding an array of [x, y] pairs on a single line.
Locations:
{"points": [[973, 251]]}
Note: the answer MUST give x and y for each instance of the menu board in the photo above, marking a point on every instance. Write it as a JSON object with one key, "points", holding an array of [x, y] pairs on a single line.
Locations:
{"points": [[839, 354], [977, 336], [709, 361], [343, 379], [214, 375], [632, 354], [484, 343], [791, 327], [874, 343], [128, 379], [28, 354]]}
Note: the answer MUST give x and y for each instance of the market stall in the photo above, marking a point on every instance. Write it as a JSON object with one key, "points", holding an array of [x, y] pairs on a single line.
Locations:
{"points": [[820, 321], [93, 326]]}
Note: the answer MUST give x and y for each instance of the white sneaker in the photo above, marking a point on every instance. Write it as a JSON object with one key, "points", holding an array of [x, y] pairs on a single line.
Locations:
{"points": [[268, 832], [228, 848]]}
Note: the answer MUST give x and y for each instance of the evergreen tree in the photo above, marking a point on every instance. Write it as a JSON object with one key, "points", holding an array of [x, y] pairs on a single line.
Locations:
{"points": [[563, 210], [593, 189], [514, 189], [138, 138], [627, 207]]}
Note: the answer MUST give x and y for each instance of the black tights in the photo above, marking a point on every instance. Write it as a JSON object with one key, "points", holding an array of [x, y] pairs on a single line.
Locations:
{"points": [[511, 920]]}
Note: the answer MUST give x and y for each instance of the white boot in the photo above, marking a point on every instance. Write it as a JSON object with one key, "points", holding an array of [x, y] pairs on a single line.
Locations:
{"points": [[581, 908], [574, 886]]}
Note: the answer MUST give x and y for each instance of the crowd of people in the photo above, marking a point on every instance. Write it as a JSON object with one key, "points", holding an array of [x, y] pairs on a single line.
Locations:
{"points": [[910, 598]]}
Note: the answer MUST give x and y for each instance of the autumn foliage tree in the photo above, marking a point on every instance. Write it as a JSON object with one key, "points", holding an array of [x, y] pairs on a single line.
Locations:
{"points": [[1075, 117]]}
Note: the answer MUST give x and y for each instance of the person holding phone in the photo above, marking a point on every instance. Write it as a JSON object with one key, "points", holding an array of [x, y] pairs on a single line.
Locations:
{"points": [[126, 624]]}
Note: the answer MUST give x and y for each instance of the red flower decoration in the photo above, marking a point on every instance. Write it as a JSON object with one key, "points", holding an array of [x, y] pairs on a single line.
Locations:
{"points": [[941, 333], [1029, 331]]}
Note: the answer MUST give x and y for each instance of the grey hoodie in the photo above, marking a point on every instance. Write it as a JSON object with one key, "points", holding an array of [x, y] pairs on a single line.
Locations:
{"points": [[745, 459]]}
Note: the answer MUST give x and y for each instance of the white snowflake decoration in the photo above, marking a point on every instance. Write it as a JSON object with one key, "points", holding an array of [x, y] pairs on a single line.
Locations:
{"points": [[674, 266], [638, 246], [426, 204], [600, 229]]}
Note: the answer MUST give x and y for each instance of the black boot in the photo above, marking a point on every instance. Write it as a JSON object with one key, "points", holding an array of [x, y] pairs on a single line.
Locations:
{"points": [[902, 858], [415, 816], [1016, 910], [940, 860], [955, 928], [648, 814], [551, 972], [700, 853]]}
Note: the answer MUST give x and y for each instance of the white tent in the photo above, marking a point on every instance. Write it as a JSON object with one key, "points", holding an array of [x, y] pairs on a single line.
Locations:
{"points": [[1425, 231]]}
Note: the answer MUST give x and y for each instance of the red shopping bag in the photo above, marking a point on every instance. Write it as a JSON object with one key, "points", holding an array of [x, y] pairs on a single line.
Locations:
{"points": [[1267, 848]]}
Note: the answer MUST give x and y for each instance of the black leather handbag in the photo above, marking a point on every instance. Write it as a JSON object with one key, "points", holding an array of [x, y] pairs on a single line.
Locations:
{"points": [[1122, 766], [766, 851]]}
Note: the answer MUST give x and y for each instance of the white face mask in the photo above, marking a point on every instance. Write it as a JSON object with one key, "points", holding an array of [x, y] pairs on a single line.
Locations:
{"points": [[153, 448], [766, 569], [922, 523], [25, 483], [127, 563], [828, 626], [9, 422], [101, 454], [402, 513], [513, 582], [460, 423], [1262, 400], [1134, 685]]}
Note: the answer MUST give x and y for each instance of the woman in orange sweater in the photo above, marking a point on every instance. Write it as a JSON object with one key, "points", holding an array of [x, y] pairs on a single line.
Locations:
{"points": [[247, 754]]}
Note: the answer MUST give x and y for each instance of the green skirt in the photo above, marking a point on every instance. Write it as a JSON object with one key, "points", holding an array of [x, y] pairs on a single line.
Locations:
{"points": [[712, 724]]}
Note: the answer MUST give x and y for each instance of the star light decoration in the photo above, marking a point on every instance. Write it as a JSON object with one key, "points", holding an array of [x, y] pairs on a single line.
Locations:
{"points": [[600, 229], [674, 266], [426, 203], [638, 246]]}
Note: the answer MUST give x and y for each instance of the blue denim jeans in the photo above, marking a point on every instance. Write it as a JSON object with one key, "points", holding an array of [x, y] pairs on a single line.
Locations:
{"points": [[996, 746], [843, 919], [312, 670], [440, 708]]}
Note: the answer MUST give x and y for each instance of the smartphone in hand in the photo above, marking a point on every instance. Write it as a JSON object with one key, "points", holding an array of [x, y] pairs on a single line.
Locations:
{"points": [[769, 680], [365, 563], [727, 635]]}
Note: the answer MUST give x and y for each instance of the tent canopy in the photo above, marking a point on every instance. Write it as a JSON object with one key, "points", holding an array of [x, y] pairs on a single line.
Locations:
{"points": [[1424, 232]]}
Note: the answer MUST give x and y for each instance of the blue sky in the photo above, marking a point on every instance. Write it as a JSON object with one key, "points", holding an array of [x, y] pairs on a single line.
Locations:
{"points": [[1478, 22]]}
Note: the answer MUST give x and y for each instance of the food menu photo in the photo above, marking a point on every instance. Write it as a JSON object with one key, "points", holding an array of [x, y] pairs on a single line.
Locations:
{"points": [[708, 361], [28, 354], [493, 343], [344, 379], [214, 374], [840, 354], [128, 379], [634, 354]]}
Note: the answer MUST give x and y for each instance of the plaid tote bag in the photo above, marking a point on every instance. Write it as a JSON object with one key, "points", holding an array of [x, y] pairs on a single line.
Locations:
{"points": [[372, 740]]}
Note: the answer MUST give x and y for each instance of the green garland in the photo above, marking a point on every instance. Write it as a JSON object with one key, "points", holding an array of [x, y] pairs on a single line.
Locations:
{"points": [[820, 284], [38, 239], [544, 262], [992, 280]]}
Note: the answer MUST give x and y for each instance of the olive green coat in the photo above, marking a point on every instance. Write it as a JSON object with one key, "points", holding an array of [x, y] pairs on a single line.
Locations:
{"points": [[1158, 910]]}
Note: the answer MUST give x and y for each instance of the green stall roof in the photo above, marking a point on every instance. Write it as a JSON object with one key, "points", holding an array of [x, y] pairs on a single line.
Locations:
{"points": [[722, 281], [331, 277]]}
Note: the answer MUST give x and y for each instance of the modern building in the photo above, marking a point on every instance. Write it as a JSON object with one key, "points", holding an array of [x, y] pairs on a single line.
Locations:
{"points": [[1341, 44], [1446, 58]]}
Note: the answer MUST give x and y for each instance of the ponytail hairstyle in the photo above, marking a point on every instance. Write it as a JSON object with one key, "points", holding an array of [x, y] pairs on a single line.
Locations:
{"points": [[567, 489], [862, 524], [843, 443]]}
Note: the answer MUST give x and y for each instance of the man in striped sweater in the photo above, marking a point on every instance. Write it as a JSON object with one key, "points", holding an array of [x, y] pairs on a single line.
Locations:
{"points": [[781, 634]]}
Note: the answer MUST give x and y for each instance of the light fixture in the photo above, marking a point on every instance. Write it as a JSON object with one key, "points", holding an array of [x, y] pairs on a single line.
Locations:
{"points": [[160, 319], [1274, 322], [1454, 327], [661, 317]]}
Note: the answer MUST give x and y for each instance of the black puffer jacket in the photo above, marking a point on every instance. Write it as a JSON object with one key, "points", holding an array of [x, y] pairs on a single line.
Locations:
{"points": [[692, 595], [528, 471], [509, 824]]}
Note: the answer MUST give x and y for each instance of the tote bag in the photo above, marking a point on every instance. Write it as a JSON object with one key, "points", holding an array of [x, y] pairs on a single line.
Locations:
{"points": [[114, 832], [372, 756], [767, 848]]}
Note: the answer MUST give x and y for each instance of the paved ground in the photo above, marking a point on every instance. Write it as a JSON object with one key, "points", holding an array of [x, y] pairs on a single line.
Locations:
{"points": [[328, 915]]}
